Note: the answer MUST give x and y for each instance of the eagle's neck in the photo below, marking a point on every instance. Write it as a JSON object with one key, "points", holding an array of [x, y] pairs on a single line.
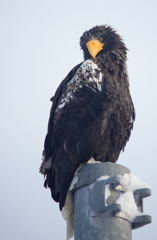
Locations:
{"points": [[112, 63]]}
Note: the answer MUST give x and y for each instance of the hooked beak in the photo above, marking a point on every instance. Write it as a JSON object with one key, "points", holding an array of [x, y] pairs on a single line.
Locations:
{"points": [[94, 47]]}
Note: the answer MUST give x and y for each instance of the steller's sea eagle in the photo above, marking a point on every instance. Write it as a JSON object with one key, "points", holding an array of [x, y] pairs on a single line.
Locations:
{"points": [[92, 113]]}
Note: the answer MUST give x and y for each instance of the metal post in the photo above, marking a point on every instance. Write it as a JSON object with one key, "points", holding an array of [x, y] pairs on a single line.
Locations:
{"points": [[96, 215]]}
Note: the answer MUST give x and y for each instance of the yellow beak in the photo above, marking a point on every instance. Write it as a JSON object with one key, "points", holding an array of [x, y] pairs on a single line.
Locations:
{"points": [[94, 46]]}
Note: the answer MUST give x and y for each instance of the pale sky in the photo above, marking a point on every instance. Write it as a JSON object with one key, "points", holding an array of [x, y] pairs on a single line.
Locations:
{"points": [[39, 45]]}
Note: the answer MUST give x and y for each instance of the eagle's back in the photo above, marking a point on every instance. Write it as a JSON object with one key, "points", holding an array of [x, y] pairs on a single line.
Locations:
{"points": [[92, 116]]}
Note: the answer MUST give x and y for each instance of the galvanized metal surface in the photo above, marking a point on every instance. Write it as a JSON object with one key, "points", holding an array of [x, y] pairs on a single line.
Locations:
{"points": [[96, 215], [104, 226]]}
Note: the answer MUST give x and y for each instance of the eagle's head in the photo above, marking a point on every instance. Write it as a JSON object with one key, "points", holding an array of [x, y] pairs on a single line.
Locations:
{"points": [[99, 40]]}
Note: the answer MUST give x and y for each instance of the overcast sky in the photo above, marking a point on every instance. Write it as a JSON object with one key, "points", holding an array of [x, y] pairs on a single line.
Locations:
{"points": [[39, 45]]}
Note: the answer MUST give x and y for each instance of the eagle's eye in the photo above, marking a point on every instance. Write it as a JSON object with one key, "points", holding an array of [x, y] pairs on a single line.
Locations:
{"points": [[100, 39]]}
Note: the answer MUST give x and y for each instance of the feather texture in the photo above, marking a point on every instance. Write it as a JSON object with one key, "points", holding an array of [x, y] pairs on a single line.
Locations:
{"points": [[92, 113]]}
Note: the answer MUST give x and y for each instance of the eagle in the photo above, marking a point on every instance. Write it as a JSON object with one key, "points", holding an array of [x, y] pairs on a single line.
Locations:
{"points": [[92, 112]]}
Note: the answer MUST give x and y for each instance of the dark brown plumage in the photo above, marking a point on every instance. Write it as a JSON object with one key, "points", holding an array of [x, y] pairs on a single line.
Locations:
{"points": [[92, 113]]}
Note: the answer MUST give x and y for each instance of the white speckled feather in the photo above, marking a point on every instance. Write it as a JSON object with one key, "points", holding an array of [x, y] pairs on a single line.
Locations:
{"points": [[87, 74]]}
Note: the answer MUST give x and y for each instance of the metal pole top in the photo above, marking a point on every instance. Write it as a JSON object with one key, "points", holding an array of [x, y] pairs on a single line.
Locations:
{"points": [[97, 216]]}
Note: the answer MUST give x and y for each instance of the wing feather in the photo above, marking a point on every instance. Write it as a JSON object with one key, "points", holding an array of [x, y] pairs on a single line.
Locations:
{"points": [[73, 129]]}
